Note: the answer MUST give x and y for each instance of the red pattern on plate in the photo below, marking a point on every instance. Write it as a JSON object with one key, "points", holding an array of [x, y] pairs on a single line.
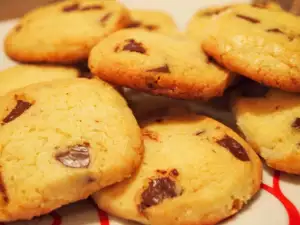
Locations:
{"points": [[293, 213], [56, 218]]}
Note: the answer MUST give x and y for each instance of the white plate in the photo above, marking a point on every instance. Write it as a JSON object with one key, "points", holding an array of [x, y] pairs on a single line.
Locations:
{"points": [[278, 203]]}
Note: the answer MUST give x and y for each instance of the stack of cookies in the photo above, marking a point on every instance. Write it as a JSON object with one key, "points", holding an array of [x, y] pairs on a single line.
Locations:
{"points": [[70, 129]]}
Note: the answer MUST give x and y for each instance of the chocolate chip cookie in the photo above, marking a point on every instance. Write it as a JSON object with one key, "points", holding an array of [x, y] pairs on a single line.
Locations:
{"points": [[153, 21], [22, 75], [196, 27], [158, 64], [64, 32], [271, 122], [195, 171], [260, 43], [60, 142]]}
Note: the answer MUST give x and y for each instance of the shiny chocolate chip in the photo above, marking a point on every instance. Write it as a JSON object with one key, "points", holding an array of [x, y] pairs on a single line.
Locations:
{"points": [[71, 7], [91, 7], [157, 190], [133, 46], [174, 172], [105, 17], [134, 24], [275, 30], [234, 147], [76, 156], [214, 12], [161, 69], [248, 18], [296, 123], [19, 109]]}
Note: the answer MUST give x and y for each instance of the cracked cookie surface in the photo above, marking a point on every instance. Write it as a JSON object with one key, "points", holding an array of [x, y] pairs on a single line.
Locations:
{"points": [[158, 64], [194, 171], [60, 142], [260, 43], [271, 124], [64, 32]]}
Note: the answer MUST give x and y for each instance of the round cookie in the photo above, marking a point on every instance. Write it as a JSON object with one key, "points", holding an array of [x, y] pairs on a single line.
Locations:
{"points": [[260, 43], [175, 67], [195, 171], [64, 32], [196, 28], [154, 21], [22, 75], [62, 141], [271, 124]]}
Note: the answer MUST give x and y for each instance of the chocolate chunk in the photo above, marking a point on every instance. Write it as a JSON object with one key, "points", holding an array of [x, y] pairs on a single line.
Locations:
{"points": [[76, 156], [174, 172], [163, 172], [296, 123], [158, 190], [19, 109], [275, 30], [249, 19], [72, 7], [133, 46], [151, 27], [150, 134], [161, 69], [105, 17], [199, 132], [91, 7], [3, 190], [18, 27], [214, 12], [234, 147], [134, 24]]}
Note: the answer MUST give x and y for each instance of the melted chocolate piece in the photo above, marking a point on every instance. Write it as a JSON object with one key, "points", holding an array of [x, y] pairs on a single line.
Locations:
{"points": [[72, 7], [234, 147], [199, 132], [275, 30], [247, 18], [91, 7], [158, 190], [214, 12], [161, 69], [296, 123], [105, 17], [134, 24], [163, 172], [19, 109], [3, 190], [76, 156], [151, 27], [133, 46], [150, 134], [174, 172]]}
